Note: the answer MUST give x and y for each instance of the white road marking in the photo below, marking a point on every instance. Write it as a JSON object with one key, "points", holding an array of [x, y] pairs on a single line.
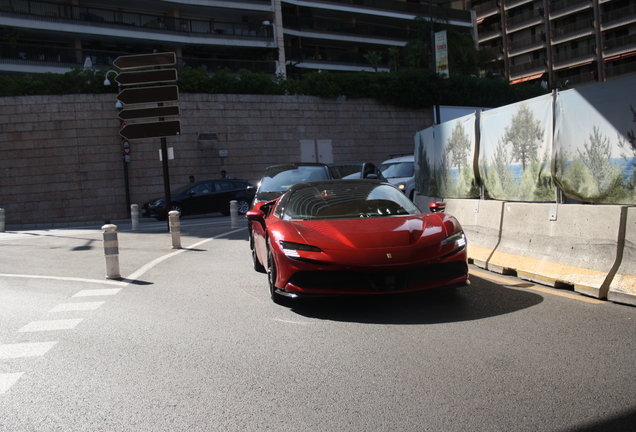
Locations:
{"points": [[72, 279], [7, 380], [84, 306], [98, 292], [50, 325], [28, 349], [291, 322]]}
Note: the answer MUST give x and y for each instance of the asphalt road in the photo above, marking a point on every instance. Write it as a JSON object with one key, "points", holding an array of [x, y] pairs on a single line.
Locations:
{"points": [[190, 341]]}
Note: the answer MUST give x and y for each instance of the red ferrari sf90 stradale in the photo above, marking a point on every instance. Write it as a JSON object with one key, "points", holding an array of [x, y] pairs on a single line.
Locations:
{"points": [[354, 237]]}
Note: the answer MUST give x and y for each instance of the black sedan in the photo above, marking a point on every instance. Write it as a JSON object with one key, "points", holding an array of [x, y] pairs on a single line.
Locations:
{"points": [[208, 196]]}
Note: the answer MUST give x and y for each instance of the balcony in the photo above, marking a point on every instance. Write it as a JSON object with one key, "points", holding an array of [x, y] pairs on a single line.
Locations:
{"points": [[619, 17], [573, 57], [43, 58], [486, 9], [486, 33], [525, 20], [409, 8], [328, 57], [346, 28], [564, 7], [584, 27], [620, 70], [527, 44], [510, 4], [124, 20], [619, 45], [527, 68]]}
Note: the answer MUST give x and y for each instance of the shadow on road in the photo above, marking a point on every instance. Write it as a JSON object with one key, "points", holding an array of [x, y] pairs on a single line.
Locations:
{"points": [[480, 300]]}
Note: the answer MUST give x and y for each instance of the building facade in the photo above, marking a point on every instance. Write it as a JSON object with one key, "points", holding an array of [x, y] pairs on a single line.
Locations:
{"points": [[563, 43], [259, 35]]}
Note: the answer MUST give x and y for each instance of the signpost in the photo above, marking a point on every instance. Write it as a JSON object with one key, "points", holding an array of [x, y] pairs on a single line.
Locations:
{"points": [[158, 94]]}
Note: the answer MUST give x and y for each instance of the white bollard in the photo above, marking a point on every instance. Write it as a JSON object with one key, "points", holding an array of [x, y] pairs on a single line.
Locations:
{"points": [[175, 229], [234, 214], [1, 220], [134, 216], [111, 251]]}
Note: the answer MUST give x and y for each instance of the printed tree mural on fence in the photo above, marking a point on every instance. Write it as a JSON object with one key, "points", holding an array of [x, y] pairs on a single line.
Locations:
{"points": [[457, 154], [521, 143], [629, 153]]}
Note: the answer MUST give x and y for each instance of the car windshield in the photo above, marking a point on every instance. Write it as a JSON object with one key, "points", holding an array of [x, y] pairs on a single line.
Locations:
{"points": [[346, 171], [397, 169], [347, 201], [279, 179]]}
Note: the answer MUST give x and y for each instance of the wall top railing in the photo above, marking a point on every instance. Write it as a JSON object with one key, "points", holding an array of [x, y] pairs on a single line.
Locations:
{"points": [[129, 20], [349, 28], [422, 8]]}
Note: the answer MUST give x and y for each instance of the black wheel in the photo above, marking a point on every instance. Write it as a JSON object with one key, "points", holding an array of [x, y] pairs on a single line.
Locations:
{"points": [[255, 262], [243, 206], [175, 207], [271, 279]]}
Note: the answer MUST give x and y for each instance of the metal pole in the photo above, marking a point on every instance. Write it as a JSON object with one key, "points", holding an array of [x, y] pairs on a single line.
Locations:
{"points": [[234, 214], [2, 220]]}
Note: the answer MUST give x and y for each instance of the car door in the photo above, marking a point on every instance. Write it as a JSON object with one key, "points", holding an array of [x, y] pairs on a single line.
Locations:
{"points": [[223, 194], [197, 198]]}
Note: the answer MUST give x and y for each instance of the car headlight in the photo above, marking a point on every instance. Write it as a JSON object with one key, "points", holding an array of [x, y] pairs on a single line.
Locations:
{"points": [[291, 249], [459, 237], [401, 186]]}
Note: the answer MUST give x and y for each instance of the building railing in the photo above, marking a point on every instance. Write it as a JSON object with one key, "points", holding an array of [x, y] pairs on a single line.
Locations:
{"points": [[572, 55], [527, 66], [628, 41], [530, 16], [585, 24], [620, 70], [349, 28], [627, 14], [299, 55], [565, 4], [128, 20], [537, 39], [421, 8], [486, 7], [72, 58]]}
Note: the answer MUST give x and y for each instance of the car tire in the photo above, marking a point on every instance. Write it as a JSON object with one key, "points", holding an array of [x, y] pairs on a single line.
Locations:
{"points": [[177, 208], [271, 279], [255, 262]]}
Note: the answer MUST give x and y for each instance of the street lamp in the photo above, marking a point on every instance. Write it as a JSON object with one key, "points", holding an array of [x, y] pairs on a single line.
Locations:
{"points": [[118, 105]]}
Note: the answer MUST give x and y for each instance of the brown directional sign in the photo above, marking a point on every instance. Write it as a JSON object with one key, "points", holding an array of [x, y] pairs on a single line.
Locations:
{"points": [[145, 113], [160, 129], [147, 77], [145, 60], [144, 95]]}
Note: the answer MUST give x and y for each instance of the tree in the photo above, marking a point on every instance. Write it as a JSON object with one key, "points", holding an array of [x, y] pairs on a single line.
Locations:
{"points": [[524, 135], [374, 58]]}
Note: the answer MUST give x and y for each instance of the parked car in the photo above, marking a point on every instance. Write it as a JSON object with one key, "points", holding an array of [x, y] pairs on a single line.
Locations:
{"points": [[400, 171], [354, 237], [208, 196], [355, 170], [278, 178]]}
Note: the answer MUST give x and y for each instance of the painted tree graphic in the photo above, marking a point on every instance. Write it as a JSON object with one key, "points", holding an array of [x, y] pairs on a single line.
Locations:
{"points": [[458, 147], [525, 135]]}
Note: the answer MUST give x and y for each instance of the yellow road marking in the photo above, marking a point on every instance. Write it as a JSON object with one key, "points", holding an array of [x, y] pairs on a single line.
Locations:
{"points": [[534, 287]]}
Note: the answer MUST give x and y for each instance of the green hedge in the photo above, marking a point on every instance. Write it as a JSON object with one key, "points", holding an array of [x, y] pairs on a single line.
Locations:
{"points": [[407, 88]]}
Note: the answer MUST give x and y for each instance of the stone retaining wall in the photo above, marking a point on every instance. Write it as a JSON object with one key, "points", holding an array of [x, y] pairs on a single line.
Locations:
{"points": [[61, 156]]}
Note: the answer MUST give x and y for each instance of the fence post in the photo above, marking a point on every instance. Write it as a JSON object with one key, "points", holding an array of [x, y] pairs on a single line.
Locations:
{"points": [[175, 229], [134, 216], [234, 214], [111, 251]]}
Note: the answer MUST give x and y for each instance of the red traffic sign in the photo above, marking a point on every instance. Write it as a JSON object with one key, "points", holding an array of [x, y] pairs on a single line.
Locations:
{"points": [[145, 113], [147, 77], [126, 145], [145, 60], [144, 95], [160, 129]]}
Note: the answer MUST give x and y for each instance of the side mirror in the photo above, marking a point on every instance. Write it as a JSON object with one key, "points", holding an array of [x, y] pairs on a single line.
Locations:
{"points": [[437, 207], [192, 193], [255, 215]]}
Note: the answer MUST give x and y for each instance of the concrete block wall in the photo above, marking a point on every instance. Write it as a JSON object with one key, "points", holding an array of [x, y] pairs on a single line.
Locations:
{"points": [[588, 248], [61, 158]]}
